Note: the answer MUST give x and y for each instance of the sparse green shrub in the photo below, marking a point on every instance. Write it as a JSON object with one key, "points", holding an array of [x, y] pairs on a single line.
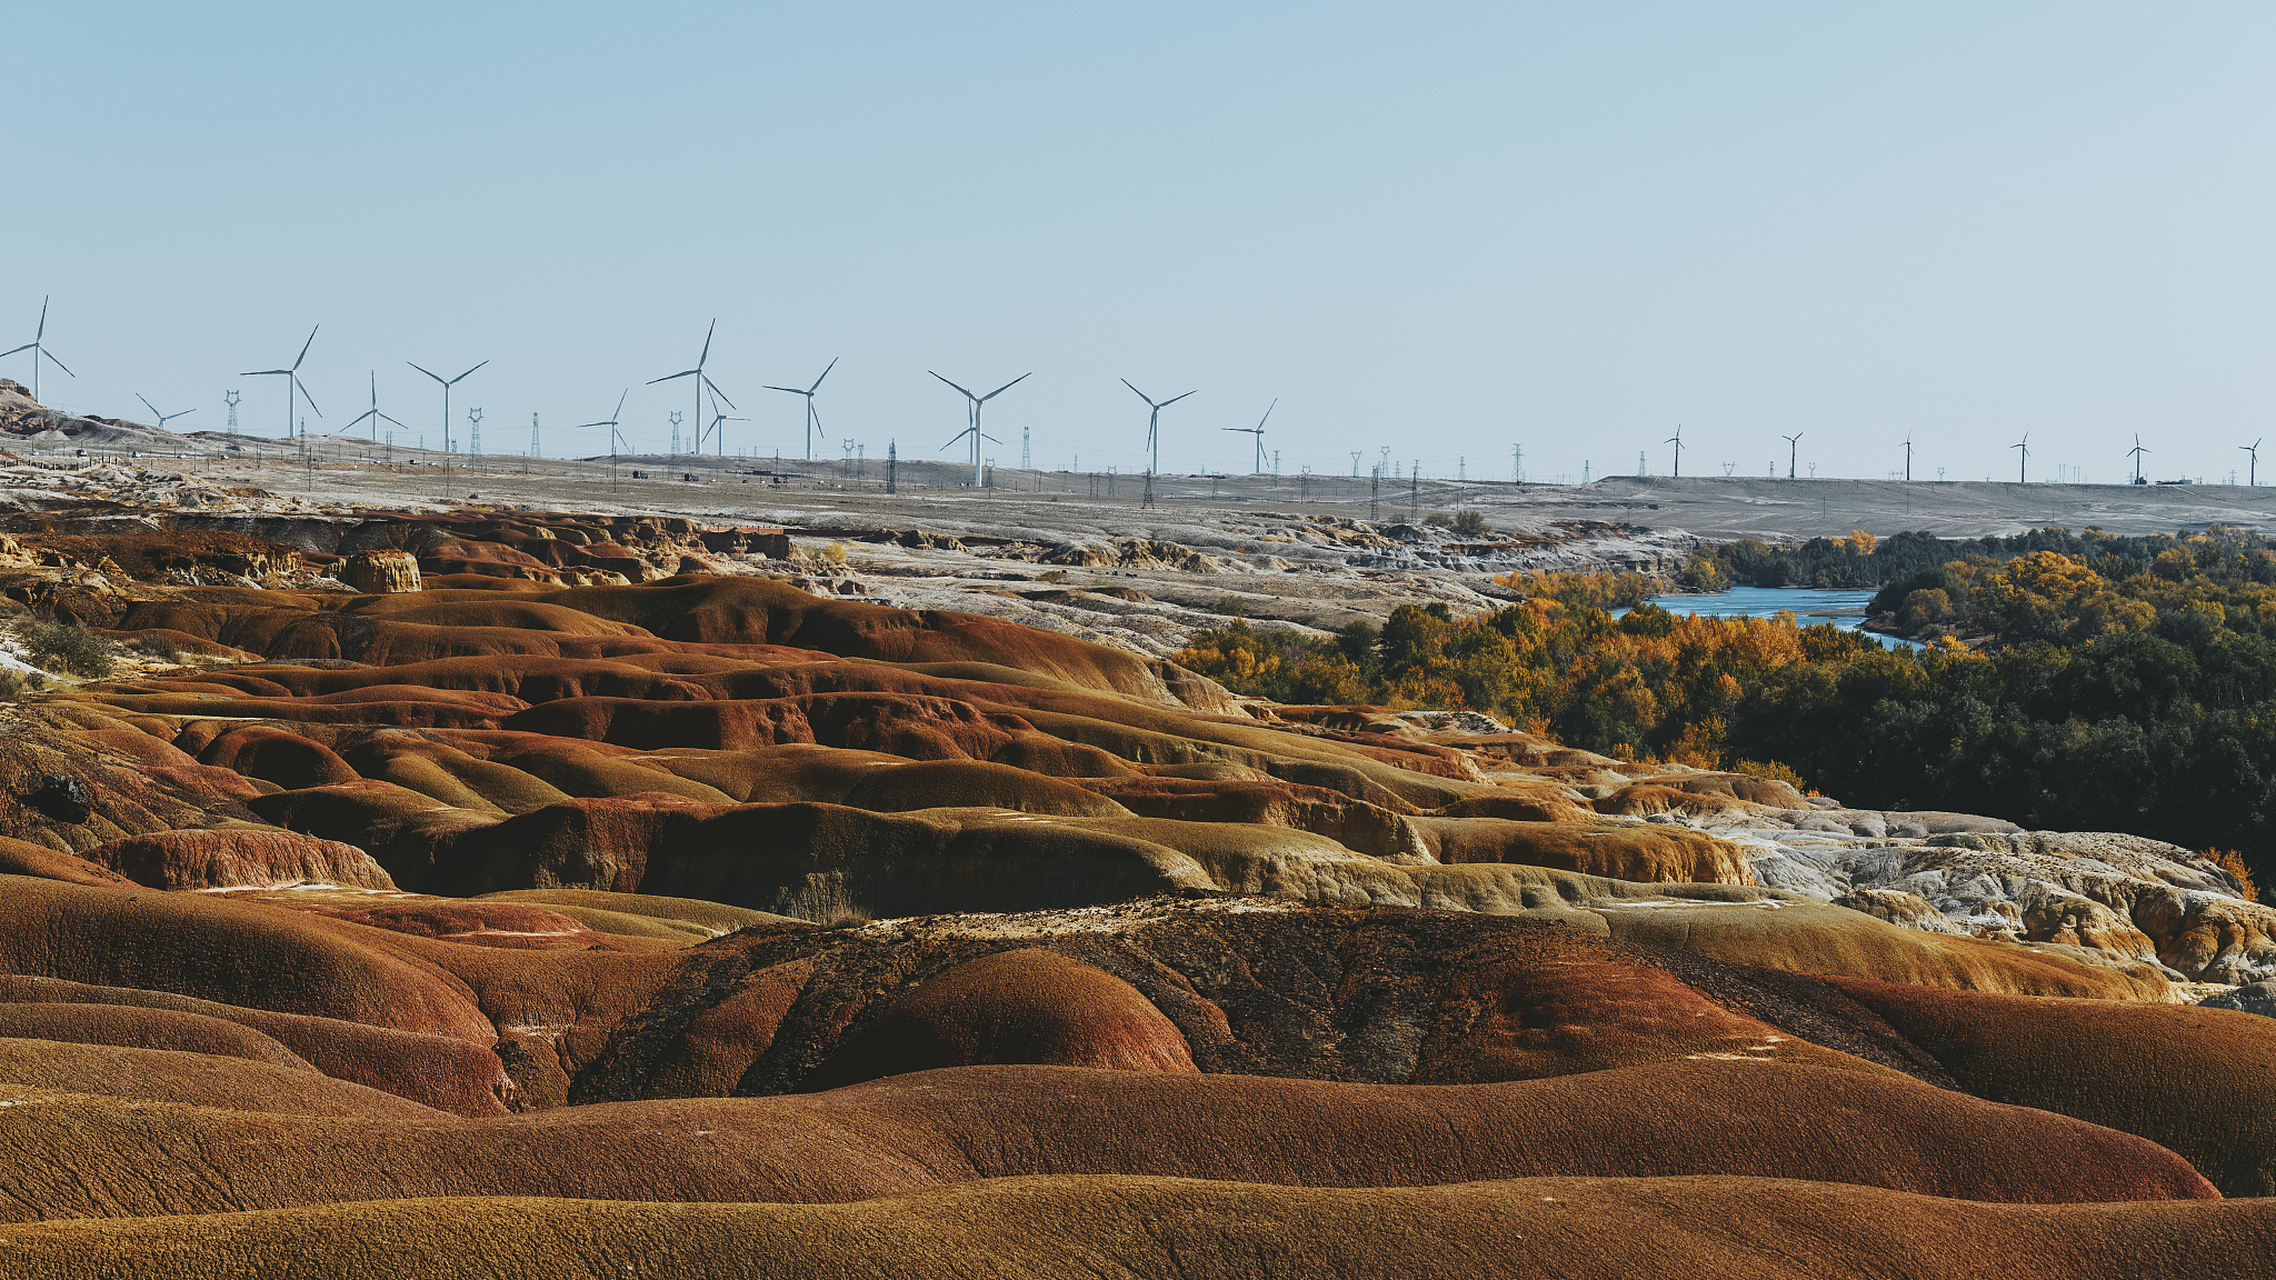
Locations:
{"points": [[835, 553], [1232, 607], [1438, 520], [66, 646], [1471, 524]]}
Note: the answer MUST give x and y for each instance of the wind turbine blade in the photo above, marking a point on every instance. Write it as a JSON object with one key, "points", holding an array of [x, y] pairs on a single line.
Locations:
{"points": [[825, 373], [1140, 394], [796, 391], [171, 416], [384, 418], [57, 363], [42, 331], [716, 393], [261, 373], [305, 396], [1009, 385], [430, 373], [468, 374], [619, 411], [1174, 399], [967, 395], [670, 376], [153, 408], [305, 346], [354, 422], [28, 346], [700, 360], [1268, 412]]}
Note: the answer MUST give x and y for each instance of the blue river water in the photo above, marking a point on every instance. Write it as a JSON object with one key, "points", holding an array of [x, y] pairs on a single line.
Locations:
{"points": [[1809, 605]]}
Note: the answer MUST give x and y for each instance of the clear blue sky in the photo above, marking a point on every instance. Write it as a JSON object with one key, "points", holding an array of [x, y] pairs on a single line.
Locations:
{"points": [[1442, 228]]}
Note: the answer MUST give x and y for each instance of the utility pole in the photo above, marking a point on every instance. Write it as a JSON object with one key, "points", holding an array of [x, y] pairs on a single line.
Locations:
{"points": [[1024, 465], [474, 435], [1374, 493], [892, 466], [1517, 464], [230, 398], [535, 449], [1355, 464], [1414, 492]]}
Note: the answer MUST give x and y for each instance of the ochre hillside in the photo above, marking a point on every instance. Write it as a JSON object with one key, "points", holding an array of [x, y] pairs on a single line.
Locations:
{"points": [[542, 902]]}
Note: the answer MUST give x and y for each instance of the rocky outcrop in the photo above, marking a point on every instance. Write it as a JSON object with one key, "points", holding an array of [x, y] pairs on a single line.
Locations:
{"points": [[379, 573]]}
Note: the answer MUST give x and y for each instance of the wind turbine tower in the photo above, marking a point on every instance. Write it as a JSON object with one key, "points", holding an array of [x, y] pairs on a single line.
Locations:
{"points": [[163, 418], [972, 406], [1153, 437], [1908, 457], [1677, 441], [702, 380], [293, 388], [714, 429], [38, 347], [447, 384], [372, 413], [616, 437], [1258, 432], [813, 419], [2136, 452], [1793, 449], [2252, 471], [2023, 460]]}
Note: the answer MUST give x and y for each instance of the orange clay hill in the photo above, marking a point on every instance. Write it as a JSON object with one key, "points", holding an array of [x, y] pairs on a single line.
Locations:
{"points": [[511, 895]]}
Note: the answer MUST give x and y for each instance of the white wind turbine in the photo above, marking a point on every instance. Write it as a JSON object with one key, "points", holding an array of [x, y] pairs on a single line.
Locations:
{"points": [[447, 384], [1153, 435], [972, 410], [372, 413], [38, 347], [616, 437], [294, 392], [702, 380], [814, 419], [163, 418], [1257, 431]]}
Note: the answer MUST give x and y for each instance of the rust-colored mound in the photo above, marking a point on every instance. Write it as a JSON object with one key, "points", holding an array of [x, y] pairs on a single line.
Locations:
{"points": [[439, 1071], [510, 925], [2109, 1062], [144, 1029], [234, 953], [1023, 1006], [1044, 1228], [194, 1079], [23, 858], [238, 858], [963, 1124], [1621, 851]]}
